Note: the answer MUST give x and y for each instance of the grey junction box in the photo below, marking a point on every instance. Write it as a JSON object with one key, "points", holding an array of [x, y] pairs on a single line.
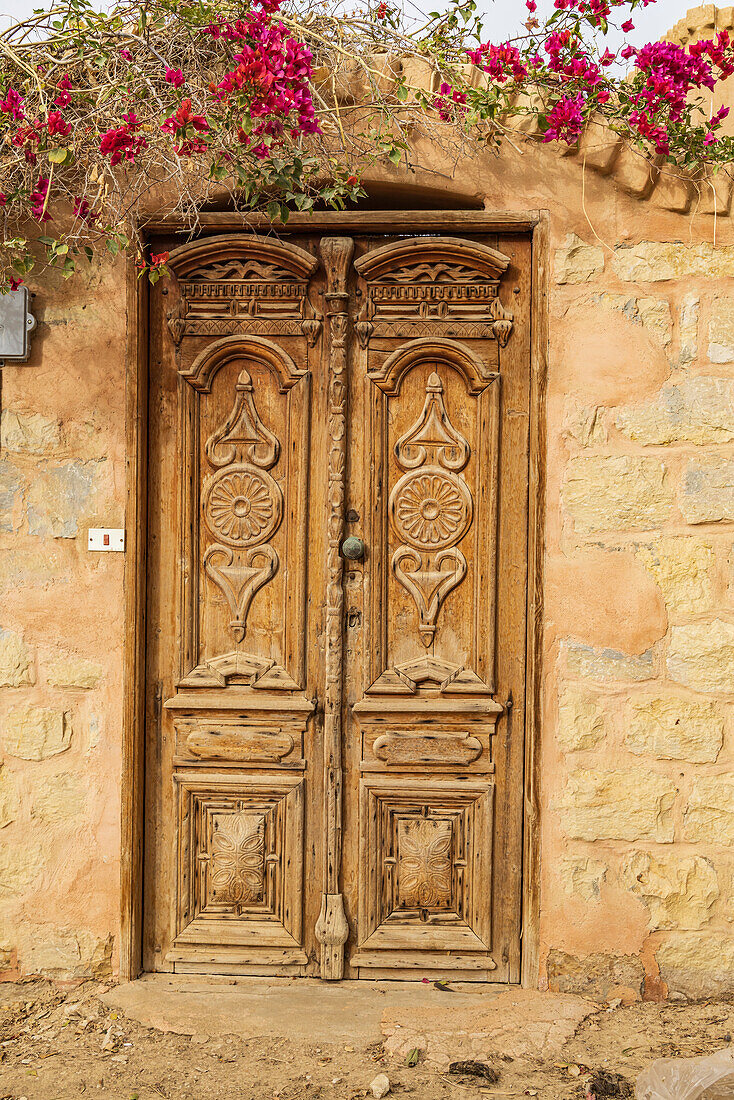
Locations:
{"points": [[16, 325]]}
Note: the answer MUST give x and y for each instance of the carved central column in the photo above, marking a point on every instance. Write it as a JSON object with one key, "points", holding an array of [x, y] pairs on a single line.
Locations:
{"points": [[331, 928]]}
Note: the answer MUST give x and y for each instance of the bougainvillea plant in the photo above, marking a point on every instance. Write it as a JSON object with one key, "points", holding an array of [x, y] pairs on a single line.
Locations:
{"points": [[280, 105]]}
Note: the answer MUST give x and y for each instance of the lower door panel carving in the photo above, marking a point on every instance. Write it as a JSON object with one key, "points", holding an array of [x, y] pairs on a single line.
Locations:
{"points": [[425, 874], [240, 870]]}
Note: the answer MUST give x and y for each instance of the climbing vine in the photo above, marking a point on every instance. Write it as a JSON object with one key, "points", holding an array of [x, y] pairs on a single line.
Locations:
{"points": [[281, 105]]}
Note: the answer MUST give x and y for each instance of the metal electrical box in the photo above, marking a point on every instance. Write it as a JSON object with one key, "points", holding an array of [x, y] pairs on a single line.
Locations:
{"points": [[16, 325]]}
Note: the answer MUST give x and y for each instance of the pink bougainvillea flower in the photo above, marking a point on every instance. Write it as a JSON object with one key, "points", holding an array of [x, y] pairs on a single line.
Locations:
{"points": [[175, 77], [15, 281], [565, 120], [159, 259], [38, 200], [628, 26], [12, 104], [63, 99], [83, 210], [123, 142], [57, 125]]}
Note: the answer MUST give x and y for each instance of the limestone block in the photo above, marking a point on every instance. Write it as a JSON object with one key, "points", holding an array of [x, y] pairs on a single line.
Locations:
{"points": [[707, 492], [584, 425], [656, 318], [709, 814], [670, 728], [699, 410], [21, 865], [580, 721], [614, 805], [715, 195], [62, 953], [653, 314], [10, 486], [680, 892], [31, 567], [70, 671], [577, 262], [698, 964], [16, 661], [596, 976], [621, 492], [599, 146], [689, 314], [607, 665], [673, 191], [682, 567], [57, 499], [634, 173], [721, 331], [9, 801], [35, 733], [658, 261], [581, 876], [60, 799], [419, 74], [29, 433], [701, 655]]}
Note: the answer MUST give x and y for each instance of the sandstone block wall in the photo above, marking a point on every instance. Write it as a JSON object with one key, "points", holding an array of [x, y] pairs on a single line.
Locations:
{"points": [[638, 845], [62, 470]]}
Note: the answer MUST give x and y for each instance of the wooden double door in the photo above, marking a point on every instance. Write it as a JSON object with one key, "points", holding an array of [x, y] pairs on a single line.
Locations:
{"points": [[336, 610]]}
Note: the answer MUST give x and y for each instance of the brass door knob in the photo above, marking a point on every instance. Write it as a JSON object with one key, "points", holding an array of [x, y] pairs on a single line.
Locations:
{"points": [[353, 548]]}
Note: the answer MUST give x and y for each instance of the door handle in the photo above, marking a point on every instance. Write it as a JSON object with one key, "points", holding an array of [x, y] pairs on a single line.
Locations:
{"points": [[353, 548]]}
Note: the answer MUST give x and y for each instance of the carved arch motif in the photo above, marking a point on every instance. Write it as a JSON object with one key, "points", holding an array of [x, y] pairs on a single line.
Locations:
{"points": [[429, 286], [253, 348], [415, 353], [244, 281], [444, 254]]}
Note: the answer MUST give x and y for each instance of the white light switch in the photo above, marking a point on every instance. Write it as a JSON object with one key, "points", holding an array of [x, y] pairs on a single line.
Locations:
{"points": [[106, 538]]}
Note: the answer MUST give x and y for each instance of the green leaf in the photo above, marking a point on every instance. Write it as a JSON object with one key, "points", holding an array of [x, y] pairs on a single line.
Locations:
{"points": [[413, 1057], [58, 156], [402, 93], [395, 155]]}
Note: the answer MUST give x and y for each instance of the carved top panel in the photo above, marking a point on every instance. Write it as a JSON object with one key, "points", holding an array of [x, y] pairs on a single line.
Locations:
{"points": [[226, 282], [447, 283]]}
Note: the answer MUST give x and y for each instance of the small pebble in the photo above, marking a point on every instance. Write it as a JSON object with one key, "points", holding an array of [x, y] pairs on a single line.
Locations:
{"points": [[380, 1086]]}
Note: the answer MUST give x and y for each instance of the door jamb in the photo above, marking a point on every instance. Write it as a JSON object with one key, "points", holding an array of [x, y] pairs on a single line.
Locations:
{"points": [[135, 571]]}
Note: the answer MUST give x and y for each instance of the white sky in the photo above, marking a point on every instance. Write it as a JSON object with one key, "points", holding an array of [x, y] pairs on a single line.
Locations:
{"points": [[503, 19]]}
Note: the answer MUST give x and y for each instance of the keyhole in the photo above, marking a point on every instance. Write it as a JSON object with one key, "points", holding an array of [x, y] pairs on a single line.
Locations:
{"points": [[424, 915]]}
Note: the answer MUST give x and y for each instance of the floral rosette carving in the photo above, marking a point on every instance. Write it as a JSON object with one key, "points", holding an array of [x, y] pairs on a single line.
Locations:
{"points": [[431, 509], [242, 505]]}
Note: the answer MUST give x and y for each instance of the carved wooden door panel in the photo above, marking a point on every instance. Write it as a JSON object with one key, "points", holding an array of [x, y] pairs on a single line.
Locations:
{"points": [[334, 744]]}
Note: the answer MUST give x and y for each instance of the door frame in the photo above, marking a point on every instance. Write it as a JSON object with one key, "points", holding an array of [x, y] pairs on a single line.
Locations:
{"points": [[537, 225]]}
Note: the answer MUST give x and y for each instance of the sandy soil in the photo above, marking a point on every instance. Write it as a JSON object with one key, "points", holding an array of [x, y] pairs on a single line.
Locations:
{"points": [[63, 1045]]}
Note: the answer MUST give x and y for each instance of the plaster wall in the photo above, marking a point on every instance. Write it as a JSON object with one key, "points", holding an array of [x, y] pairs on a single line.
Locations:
{"points": [[637, 738]]}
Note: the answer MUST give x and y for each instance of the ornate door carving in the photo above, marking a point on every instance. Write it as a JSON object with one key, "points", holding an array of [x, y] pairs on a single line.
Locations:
{"points": [[334, 752]]}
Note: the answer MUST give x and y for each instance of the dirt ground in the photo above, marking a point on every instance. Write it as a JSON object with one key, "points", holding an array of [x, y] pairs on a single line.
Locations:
{"points": [[63, 1045]]}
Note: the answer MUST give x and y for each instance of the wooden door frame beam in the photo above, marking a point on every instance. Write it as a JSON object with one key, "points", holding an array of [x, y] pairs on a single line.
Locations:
{"points": [[536, 223]]}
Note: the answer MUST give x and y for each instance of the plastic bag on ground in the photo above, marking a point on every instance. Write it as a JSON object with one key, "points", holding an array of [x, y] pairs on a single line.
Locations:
{"points": [[709, 1078]]}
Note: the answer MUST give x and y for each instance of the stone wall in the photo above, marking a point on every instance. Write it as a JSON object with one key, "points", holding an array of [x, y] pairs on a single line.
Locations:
{"points": [[62, 469], [638, 844]]}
